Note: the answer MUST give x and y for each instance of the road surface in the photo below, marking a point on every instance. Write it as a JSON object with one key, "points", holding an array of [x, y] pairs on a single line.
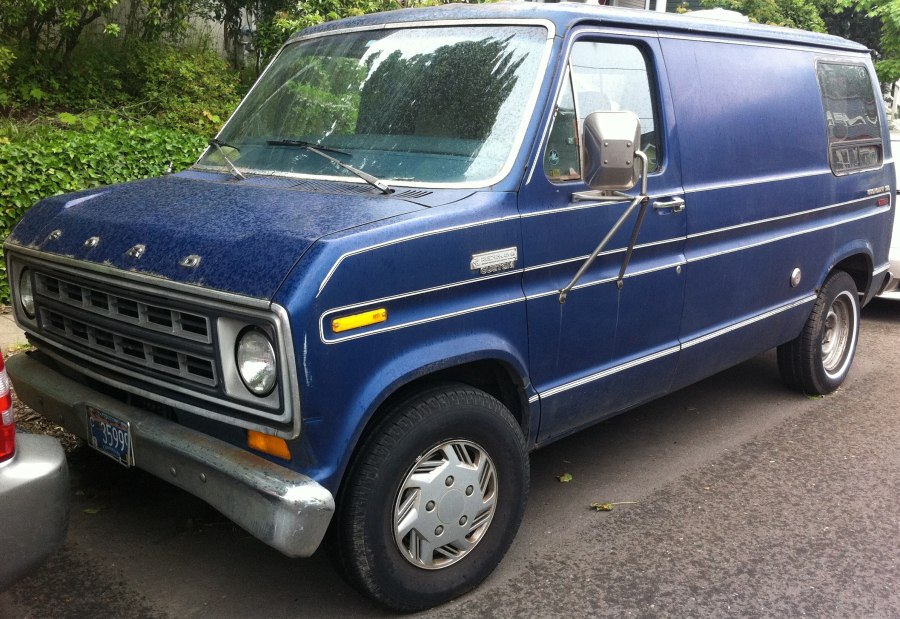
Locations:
{"points": [[738, 498]]}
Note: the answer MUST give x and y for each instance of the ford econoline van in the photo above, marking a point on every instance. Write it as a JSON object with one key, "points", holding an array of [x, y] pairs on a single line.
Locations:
{"points": [[430, 241]]}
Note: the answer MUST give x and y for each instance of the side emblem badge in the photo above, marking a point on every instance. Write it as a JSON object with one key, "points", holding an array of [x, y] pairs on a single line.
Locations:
{"points": [[495, 261]]}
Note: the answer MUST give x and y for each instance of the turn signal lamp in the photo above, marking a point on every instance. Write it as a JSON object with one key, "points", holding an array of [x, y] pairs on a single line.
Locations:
{"points": [[356, 321], [269, 444], [7, 417]]}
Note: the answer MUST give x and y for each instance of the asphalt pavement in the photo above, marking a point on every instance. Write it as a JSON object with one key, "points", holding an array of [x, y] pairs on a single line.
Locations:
{"points": [[734, 497]]}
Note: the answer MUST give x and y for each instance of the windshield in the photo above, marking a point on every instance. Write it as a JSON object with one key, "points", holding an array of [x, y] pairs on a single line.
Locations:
{"points": [[421, 105]]}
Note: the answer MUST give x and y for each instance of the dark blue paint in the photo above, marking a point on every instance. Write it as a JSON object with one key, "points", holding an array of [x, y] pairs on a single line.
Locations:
{"points": [[248, 236]]}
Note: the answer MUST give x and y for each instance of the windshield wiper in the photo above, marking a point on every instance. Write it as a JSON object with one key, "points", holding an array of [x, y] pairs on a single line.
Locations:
{"points": [[375, 182], [305, 144], [219, 144]]}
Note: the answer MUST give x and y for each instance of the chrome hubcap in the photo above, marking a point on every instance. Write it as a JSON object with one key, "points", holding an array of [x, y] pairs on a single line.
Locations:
{"points": [[839, 330], [445, 504]]}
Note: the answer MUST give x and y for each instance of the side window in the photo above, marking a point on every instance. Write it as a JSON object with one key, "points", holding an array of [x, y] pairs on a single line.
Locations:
{"points": [[851, 115], [603, 77]]}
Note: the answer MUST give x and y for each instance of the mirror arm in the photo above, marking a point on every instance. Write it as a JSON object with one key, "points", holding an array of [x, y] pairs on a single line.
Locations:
{"points": [[600, 196], [640, 199]]}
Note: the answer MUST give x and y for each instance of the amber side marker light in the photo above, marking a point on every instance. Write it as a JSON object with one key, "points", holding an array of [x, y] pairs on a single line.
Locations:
{"points": [[269, 444], [346, 323]]}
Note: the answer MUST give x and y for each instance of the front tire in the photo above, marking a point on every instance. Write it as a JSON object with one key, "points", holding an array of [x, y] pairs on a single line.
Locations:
{"points": [[818, 360], [434, 498]]}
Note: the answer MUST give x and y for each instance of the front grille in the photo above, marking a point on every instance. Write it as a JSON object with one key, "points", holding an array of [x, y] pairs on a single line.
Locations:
{"points": [[166, 342], [121, 308], [131, 350], [143, 334]]}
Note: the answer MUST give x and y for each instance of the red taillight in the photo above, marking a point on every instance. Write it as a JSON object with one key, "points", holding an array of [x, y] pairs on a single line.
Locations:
{"points": [[7, 418]]}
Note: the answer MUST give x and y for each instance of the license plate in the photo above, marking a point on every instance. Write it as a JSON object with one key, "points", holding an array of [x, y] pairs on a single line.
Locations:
{"points": [[110, 436]]}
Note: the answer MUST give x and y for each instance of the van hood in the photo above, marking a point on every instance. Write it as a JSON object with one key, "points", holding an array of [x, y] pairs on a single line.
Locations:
{"points": [[247, 234]]}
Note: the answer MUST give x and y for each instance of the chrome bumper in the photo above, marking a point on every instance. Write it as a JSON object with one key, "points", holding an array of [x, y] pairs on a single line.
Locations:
{"points": [[281, 507]]}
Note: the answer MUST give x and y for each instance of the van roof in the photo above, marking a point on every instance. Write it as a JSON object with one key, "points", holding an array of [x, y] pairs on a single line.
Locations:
{"points": [[566, 15]]}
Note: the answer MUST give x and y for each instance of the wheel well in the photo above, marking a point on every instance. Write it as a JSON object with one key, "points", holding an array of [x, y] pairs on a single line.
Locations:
{"points": [[859, 268], [491, 376]]}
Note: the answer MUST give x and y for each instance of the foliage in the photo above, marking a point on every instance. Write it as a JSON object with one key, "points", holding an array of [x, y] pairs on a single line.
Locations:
{"points": [[269, 23], [310, 13], [186, 88], [888, 12], [849, 23], [155, 20], [804, 14], [51, 26], [79, 152], [874, 23]]}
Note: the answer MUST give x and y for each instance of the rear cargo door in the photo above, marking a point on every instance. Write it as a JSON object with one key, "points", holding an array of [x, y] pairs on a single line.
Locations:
{"points": [[608, 347]]}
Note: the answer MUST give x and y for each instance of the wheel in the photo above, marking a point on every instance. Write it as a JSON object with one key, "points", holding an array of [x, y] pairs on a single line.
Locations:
{"points": [[817, 361], [433, 500]]}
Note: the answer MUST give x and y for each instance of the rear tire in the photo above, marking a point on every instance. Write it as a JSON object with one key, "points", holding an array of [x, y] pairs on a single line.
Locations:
{"points": [[433, 500], [818, 360]]}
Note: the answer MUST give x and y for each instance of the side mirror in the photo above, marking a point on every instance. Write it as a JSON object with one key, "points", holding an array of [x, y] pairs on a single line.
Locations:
{"points": [[609, 143]]}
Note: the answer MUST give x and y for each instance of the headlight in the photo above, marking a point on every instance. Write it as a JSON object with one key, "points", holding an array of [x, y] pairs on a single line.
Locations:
{"points": [[26, 293], [256, 362]]}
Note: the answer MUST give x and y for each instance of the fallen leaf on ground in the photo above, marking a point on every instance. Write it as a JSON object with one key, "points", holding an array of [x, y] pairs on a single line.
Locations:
{"points": [[608, 507], [564, 478]]}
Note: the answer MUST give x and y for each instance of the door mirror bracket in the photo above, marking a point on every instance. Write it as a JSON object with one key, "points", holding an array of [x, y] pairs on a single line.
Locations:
{"points": [[610, 149]]}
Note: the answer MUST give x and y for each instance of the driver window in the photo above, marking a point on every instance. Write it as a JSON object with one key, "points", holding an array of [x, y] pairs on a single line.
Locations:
{"points": [[603, 77]]}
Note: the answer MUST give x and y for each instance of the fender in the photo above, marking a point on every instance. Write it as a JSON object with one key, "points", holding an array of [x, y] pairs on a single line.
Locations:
{"points": [[416, 363], [855, 249]]}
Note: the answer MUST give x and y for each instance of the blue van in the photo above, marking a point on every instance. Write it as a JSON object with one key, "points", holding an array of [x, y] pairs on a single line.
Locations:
{"points": [[432, 240]]}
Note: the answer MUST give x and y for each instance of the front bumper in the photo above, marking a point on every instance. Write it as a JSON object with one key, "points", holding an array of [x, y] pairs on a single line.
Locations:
{"points": [[285, 509], [34, 505]]}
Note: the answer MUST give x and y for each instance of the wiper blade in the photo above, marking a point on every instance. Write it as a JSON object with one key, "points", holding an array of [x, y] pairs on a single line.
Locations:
{"points": [[375, 182], [219, 144], [305, 144]]}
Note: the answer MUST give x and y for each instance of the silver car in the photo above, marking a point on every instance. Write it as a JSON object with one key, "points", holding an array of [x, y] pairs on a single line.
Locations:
{"points": [[34, 493]]}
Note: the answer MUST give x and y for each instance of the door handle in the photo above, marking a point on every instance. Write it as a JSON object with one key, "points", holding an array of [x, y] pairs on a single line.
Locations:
{"points": [[676, 204]]}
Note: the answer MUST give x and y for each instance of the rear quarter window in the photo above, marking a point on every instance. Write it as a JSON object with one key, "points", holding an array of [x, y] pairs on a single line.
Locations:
{"points": [[851, 117]]}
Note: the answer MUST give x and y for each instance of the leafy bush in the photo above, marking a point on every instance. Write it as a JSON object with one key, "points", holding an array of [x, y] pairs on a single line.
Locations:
{"points": [[190, 89], [88, 151], [186, 88], [308, 13]]}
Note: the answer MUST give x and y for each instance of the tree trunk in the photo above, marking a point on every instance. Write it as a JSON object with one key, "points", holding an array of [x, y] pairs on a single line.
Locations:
{"points": [[234, 51], [70, 38]]}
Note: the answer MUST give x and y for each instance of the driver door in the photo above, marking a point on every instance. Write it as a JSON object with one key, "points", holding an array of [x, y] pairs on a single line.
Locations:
{"points": [[611, 345]]}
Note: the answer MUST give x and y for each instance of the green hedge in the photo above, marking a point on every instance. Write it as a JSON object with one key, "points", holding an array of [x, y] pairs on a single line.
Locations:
{"points": [[89, 152]]}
